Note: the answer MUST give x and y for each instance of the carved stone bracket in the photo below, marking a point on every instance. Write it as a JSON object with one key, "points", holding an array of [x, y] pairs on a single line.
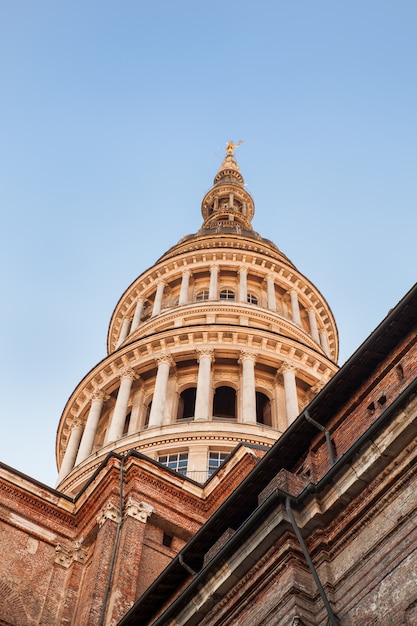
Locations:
{"points": [[139, 510], [110, 512]]}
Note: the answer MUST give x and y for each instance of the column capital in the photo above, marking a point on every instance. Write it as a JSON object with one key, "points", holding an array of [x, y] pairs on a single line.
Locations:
{"points": [[138, 510], [77, 422], [247, 355], [161, 281], [186, 270], [80, 552], [270, 276], [63, 555], [286, 367], [128, 372], [110, 512], [165, 357], [214, 266], [201, 352], [99, 394], [242, 268]]}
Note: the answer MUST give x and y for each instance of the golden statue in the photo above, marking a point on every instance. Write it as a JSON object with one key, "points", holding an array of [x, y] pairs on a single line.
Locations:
{"points": [[230, 146]]}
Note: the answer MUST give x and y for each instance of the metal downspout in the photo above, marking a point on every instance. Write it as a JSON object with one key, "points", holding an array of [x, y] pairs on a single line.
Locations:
{"points": [[332, 618], [324, 430]]}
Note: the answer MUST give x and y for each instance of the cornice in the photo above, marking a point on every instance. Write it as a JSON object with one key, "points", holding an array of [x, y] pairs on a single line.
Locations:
{"points": [[158, 440]]}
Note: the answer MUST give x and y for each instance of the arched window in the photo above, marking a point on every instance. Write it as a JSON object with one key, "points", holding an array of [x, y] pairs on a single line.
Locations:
{"points": [[186, 403], [202, 295], [263, 409], [224, 402], [227, 294], [252, 299]]}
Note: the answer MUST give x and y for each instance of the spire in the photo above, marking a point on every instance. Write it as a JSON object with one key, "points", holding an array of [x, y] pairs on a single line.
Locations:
{"points": [[228, 204]]}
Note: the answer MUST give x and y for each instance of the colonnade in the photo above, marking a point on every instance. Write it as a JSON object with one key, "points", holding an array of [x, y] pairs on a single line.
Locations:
{"points": [[82, 436], [130, 324]]}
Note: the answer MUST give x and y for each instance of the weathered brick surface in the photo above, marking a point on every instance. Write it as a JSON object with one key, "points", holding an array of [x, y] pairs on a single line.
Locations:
{"points": [[42, 582]]}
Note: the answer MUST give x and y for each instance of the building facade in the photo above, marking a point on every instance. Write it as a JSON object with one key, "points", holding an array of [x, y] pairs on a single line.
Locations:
{"points": [[216, 467]]}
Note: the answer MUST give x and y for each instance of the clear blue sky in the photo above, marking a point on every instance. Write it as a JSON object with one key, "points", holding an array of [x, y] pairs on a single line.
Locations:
{"points": [[114, 117]]}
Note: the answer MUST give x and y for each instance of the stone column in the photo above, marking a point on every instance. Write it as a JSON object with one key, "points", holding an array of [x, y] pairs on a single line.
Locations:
{"points": [[158, 297], [243, 284], [71, 450], [313, 325], [137, 315], [97, 400], [117, 423], [213, 289], [156, 416], [137, 409], [270, 283], [324, 343], [202, 410], [291, 401], [295, 307], [124, 332], [247, 360], [185, 283]]}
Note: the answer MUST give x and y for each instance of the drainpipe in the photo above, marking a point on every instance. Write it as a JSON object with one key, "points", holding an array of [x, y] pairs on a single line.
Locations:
{"points": [[324, 430], [333, 621]]}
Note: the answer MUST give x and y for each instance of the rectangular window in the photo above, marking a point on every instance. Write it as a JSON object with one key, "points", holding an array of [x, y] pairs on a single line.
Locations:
{"points": [[216, 458], [178, 461]]}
